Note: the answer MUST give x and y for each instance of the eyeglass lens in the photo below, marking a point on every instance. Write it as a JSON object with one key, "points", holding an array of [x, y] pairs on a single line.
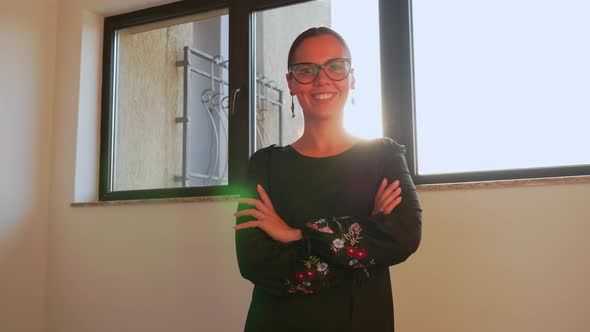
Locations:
{"points": [[336, 70]]}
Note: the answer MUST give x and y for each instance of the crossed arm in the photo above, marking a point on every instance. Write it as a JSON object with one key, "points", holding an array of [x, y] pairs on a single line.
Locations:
{"points": [[284, 260], [386, 199]]}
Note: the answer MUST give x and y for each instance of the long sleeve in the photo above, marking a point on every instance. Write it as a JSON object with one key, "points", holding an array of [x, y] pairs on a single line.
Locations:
{"points": [[362, 242], [278, 268]]}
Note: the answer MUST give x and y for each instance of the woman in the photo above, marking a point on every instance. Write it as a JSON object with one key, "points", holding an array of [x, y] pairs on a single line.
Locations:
{"points": [[322, 219]]}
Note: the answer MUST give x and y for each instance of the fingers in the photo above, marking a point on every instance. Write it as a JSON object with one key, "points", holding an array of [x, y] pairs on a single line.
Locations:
{"points": [[388, 197], [391, 197], [256, 202], [249, 224], [380, 190], [386, 193], [392, 205], [263, 208], [250, 212], [265, 205], [394, 185], [264, 197]]}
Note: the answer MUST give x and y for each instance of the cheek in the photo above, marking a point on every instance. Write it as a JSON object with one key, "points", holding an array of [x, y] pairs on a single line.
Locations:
{"points": [[344, 86], [301, 91]]}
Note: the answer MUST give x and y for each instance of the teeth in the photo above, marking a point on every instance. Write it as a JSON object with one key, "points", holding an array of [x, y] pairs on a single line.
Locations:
{"points": [[323, 96]]}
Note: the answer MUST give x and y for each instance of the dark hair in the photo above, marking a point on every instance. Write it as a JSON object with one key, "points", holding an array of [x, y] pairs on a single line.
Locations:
{"points": [[314, 32]]}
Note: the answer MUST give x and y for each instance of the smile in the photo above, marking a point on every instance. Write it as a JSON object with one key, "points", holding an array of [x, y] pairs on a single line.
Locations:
{"points": [[324, 96]]}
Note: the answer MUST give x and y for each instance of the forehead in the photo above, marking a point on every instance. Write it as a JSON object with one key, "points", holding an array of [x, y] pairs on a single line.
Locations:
{"points": [[319, 49]]}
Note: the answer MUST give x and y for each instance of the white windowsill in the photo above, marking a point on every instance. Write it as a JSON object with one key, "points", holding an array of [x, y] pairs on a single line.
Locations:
{"points": [[159, 201], [505, 183], [420, 188]]}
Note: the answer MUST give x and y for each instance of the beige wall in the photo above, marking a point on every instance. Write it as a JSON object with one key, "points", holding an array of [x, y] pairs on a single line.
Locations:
{"points": [[27, 57], [167, 267], [510, 259]]}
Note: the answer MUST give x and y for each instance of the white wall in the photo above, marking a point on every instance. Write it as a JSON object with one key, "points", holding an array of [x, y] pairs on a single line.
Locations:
{"points": [[27, 56], [510, 259]]}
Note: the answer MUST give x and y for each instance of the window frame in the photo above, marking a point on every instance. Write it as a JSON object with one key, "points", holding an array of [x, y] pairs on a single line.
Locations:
{"points": [[111, 25]]}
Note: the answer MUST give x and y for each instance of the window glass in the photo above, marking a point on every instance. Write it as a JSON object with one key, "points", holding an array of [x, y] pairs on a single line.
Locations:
{"points": [[273, 38], [501, 85], [171, 104]]}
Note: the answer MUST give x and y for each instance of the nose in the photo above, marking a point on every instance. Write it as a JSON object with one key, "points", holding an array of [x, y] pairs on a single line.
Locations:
{"points": [[322, 77]]}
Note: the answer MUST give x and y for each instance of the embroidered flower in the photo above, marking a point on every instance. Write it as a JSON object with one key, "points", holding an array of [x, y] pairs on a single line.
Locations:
{"points": [[347, 239], [338, 243], [350, 251], [309, 280], [355, 229], [320, 225], [311, 261], [360, 253], [322, 267], [303, 289]]}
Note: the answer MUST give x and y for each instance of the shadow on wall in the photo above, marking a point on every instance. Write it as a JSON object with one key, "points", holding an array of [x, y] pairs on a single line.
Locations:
{"points": [[22, 273], [27, 56]]}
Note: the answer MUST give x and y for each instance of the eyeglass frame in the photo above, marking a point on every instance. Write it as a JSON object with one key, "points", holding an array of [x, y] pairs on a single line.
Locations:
{"points": [[321, 67]]}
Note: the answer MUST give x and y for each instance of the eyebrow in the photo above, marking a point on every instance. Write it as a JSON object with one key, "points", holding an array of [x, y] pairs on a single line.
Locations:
{"points": [[313, 63]]}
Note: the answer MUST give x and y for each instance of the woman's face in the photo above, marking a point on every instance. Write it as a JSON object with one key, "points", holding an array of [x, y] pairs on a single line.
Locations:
{"points": [[323, 97]]}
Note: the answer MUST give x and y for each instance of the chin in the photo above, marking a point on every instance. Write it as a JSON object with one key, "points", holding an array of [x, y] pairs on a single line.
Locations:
{"points": [[324, 115]]}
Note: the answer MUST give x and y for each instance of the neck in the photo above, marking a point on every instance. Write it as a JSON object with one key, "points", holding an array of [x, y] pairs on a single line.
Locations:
{"points": [[327, 135]]}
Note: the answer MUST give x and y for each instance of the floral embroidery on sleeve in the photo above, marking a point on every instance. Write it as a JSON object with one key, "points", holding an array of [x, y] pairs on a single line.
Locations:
{"points": [[311, 279], [321, 226], [347, 242]]}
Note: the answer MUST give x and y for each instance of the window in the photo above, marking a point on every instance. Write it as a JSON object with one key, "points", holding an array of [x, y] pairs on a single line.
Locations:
{"points": [[166, 102], [500, 90], [192, 89]]}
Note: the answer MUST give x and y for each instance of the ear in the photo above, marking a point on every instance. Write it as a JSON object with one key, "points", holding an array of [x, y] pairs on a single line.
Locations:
{"points": [[352, 79], [290, 83]]}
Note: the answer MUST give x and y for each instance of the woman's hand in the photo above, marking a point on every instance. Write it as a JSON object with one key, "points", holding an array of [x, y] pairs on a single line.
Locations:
{"points": [[267, 219], [387, 198]]}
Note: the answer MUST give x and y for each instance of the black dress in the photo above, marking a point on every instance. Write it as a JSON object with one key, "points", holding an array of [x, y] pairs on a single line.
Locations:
{"points": [[337, 277]]}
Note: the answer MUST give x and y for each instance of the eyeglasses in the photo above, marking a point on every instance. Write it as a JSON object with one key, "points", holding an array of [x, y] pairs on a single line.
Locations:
{"points": [[306, 72]]}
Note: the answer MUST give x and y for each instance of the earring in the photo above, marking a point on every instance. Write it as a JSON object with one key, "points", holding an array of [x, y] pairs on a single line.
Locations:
{"points": [[352, 100], [292, 107]]}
